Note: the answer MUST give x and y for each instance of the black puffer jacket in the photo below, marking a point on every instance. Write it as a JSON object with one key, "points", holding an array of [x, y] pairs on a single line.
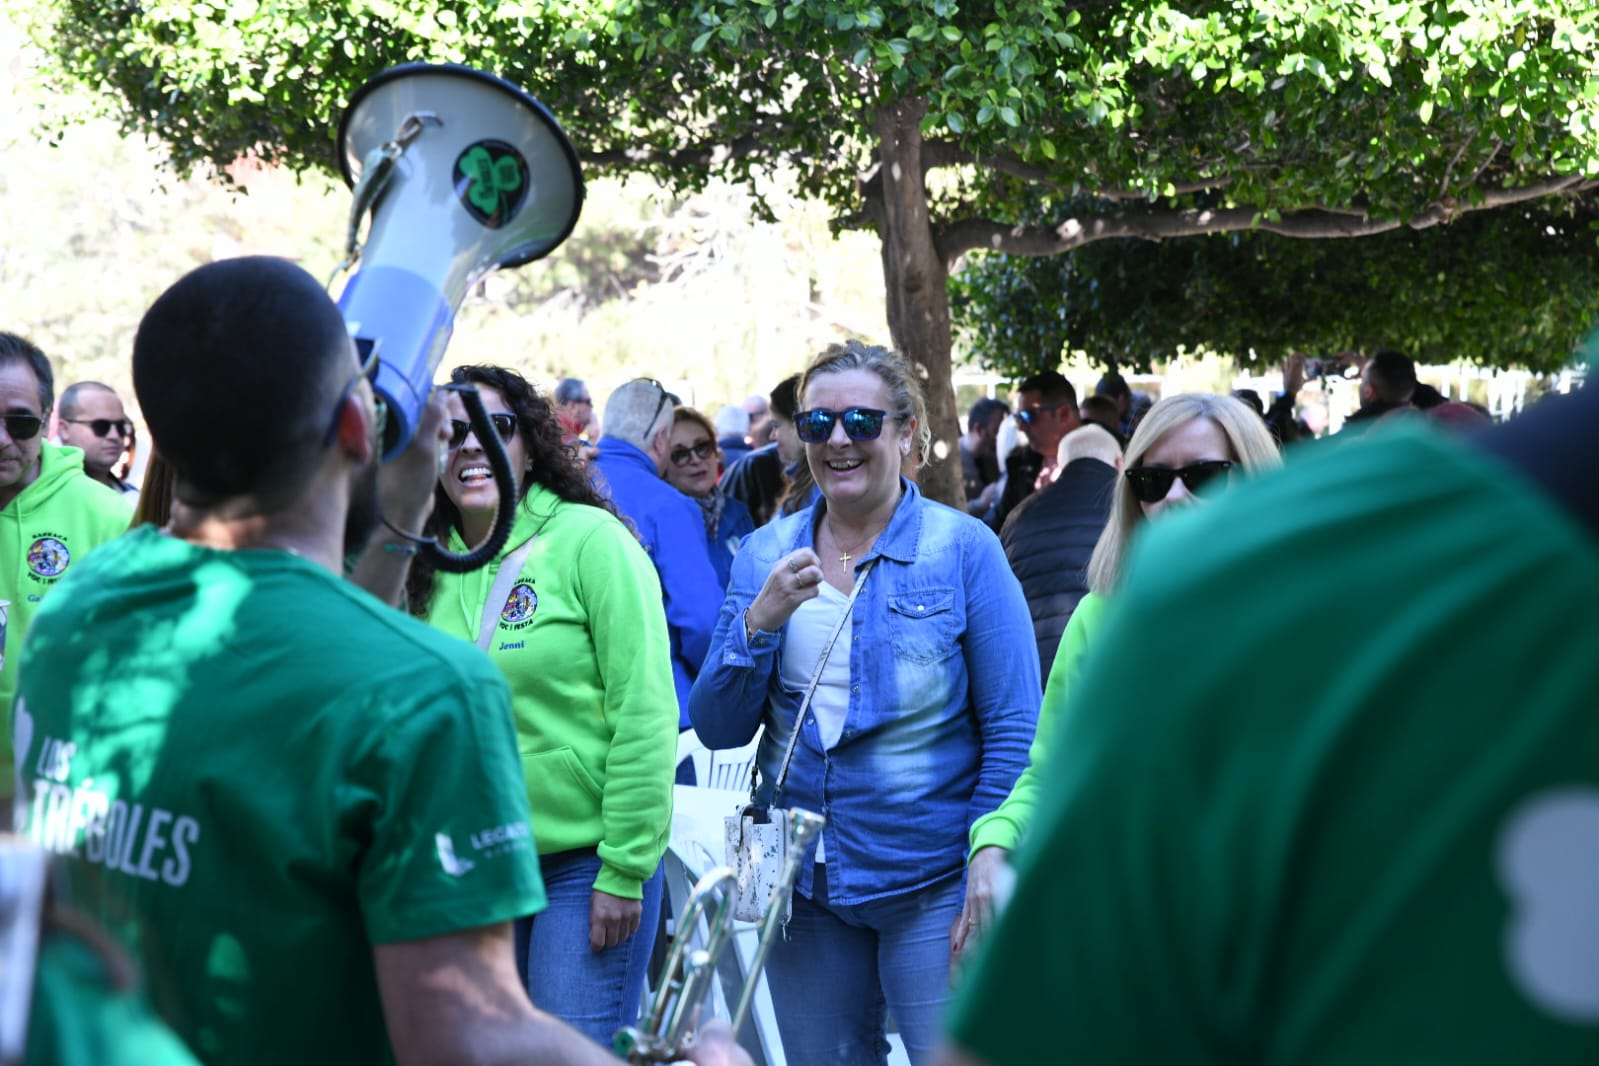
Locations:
{"points": [[1048, 540]]}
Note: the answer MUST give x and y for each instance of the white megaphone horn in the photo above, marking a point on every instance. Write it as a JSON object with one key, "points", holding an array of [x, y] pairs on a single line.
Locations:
{"points": [[463, 173]]}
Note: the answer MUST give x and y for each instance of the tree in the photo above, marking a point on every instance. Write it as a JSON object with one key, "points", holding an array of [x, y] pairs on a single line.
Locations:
{"points": [[934, 122], [1516, 287]]}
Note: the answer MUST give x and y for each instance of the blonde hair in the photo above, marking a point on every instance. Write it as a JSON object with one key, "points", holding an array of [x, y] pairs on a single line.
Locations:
{"points": [[1089, 441], [904, 391], [1250, 441]]}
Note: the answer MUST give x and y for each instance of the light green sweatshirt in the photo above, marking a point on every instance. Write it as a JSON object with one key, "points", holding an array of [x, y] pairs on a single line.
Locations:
{"points": [[52, 524], [1004, 825], [582, 640]]}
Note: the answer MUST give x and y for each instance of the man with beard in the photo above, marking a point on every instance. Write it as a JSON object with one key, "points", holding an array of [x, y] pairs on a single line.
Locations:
{"points": [[302, 808]]}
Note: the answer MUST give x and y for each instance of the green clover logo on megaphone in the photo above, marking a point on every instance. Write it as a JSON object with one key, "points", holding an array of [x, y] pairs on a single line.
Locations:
{"points": [[491, 181]]}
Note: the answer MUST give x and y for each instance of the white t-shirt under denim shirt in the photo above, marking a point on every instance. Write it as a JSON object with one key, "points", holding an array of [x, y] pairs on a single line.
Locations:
{"points": [[808, 629]]}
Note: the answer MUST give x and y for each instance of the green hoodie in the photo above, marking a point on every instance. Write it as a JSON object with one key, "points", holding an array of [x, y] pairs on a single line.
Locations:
{"points": [[582, 640], [51, 524]]}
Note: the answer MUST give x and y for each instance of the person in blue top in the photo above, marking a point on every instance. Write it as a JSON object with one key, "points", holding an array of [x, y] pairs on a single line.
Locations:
{"points": [[925, 704], [692, 468], [630, 469]]}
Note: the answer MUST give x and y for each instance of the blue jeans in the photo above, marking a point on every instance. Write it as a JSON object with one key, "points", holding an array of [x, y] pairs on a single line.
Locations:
{"points": [[840, 966], [596, 994]]}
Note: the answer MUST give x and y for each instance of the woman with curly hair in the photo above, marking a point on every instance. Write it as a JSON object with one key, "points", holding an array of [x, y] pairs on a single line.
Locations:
{"points": [[580, 634]]}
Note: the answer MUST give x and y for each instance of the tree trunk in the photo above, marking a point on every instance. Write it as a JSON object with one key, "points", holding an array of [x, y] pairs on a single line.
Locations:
{"points": [[916, 279]]}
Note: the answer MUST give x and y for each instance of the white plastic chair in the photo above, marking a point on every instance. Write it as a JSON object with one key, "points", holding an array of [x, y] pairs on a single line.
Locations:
{"points": [[727, 769]]}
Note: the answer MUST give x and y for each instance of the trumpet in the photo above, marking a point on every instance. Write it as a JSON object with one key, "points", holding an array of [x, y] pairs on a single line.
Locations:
{"points": [[666, 1032]]}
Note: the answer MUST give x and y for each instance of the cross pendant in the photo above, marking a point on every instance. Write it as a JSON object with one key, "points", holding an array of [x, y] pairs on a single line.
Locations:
{"points": [[844, 558]]}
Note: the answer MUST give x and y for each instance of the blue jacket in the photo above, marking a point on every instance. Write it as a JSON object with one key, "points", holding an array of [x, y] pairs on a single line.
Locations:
{"points": [[943, 701], [734, 525], [671, 528]]}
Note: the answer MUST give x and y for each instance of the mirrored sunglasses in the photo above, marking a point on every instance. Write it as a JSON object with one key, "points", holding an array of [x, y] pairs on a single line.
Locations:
{"points": [[860, 423], [504, 425], [703, 450], [1152, 483], [1028, 415]]}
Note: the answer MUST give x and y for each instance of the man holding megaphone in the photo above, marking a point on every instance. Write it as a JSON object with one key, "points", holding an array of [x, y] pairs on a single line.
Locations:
{"points": [[303, 808]]}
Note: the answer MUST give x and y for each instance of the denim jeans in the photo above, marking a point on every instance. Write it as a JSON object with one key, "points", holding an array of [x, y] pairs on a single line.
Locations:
{"points": [[596, 994], [839, 967]]}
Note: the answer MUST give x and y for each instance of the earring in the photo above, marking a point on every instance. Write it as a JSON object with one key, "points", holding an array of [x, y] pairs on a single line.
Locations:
{"points": [[904, 447]]}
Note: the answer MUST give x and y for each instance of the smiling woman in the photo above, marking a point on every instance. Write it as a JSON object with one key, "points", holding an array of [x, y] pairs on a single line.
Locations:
{"points": [[571, 613], [905, 620]]}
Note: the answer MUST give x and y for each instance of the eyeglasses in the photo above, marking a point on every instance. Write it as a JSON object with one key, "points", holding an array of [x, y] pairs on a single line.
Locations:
{"points": [[23, 427], [860, 423], [102, 427], [1028, 415], [666, 398], [703, 450], [369, 370], [504, 425], [1152, 483]]}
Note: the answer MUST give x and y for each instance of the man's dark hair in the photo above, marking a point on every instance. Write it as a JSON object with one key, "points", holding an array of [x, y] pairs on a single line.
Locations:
{"points": [[15, 349], [569, 390], [1051, 386], [984, 410], [1102, 409], [70, 394], [1252, 398], [1392, 376], [237, 367], [785, 398]]}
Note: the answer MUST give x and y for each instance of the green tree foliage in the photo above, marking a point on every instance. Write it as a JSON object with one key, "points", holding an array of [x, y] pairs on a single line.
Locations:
{"points": [[936, 122], [1508, 288]]}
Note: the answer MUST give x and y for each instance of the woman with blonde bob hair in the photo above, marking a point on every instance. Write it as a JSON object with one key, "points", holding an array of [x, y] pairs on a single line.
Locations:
{"points": [[1186, 448], [874, 634]]}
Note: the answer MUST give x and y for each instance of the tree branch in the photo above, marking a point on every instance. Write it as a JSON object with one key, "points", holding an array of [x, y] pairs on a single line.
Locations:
{"points": [[937, 154], [957, 238]]}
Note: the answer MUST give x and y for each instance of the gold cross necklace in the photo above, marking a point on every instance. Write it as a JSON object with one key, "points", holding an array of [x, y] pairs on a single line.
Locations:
{"points": [[846, 556]]}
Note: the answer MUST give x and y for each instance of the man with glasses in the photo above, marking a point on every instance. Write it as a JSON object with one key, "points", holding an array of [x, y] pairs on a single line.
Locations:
{"points": [[575, 409], [631, 468], [92, 420], [1046, 410], [51, 512]]}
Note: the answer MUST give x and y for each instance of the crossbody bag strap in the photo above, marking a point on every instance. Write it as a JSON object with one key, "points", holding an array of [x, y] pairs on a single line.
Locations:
{"points": [[504, 581], [816, 677]]}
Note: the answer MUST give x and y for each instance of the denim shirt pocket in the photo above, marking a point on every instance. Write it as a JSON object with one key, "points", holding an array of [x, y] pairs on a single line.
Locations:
{"points": [[922, 624]]}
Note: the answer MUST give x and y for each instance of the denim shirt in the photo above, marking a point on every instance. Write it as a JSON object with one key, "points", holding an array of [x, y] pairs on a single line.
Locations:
{"points": [[943, 701]]}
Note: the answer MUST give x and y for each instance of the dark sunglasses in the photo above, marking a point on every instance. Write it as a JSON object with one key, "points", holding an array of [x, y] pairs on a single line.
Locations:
{"points": [[860, 423], [504, 425], [23, 427], [666, 398], [1028, 415], [102, 427], [1152, 483], [703, 450]]}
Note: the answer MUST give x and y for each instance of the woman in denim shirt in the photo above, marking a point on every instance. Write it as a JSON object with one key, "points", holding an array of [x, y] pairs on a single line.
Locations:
{"points": [[920, 723]]}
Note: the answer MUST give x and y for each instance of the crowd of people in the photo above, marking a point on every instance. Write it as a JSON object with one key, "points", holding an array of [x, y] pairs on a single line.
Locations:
{"points": [[1184, 740]]}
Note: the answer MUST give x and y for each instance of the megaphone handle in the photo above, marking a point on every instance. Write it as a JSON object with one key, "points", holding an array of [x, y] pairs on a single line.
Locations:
{"points": [[504, 480]]}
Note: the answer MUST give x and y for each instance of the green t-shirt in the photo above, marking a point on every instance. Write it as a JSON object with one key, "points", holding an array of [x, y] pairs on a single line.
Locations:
{"points": [[263, 771], [79, 1018], [1333, 793]]}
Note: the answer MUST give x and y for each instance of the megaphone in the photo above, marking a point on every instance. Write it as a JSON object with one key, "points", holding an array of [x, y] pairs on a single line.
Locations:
{"points": [[463, 173]]}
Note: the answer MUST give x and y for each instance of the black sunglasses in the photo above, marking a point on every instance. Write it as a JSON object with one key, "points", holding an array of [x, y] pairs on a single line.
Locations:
{"points": [[1028, 415], [703, 450], [860, 423], [1152, 483], [666, 398], [504, 425], [102, 427], [23, 427]]}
